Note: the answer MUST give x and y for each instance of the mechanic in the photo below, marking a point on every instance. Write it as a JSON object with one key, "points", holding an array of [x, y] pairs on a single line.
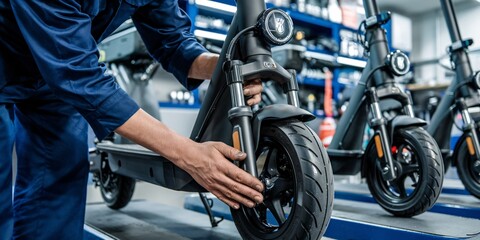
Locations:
{"points": [[52, 85]]}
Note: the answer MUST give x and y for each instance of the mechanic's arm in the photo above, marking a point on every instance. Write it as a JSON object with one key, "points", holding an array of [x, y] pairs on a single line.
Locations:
{"points": [[198, 159], [206, 162], [58, 35], [165, 29]]}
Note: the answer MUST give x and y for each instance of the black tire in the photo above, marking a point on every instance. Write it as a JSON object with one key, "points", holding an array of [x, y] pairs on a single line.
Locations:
{"points": [[465, 168], [116, 190], [447, 162], [297, 166], [419, 162], [119, 195]]}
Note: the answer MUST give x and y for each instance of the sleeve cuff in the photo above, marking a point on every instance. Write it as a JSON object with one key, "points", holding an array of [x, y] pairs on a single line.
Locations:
{"points": [[182, 60], [112, 113]]}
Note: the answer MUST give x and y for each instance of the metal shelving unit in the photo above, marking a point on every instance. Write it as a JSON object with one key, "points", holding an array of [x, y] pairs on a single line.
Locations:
{"points": [[224, 9]]}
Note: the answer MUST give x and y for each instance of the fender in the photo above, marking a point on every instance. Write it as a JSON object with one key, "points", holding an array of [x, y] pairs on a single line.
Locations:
{"points": [[402, 121], [398, 122], [277, 112]]}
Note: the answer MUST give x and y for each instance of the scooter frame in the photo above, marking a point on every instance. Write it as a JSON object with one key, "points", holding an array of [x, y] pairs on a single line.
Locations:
{"points": [[377, 91], [378, 101], [300, 172], [461, 94], [211, 123]]}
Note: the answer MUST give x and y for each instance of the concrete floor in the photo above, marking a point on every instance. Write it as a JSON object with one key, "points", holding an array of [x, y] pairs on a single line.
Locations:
{"points": [[145, 191], [153, 194]]}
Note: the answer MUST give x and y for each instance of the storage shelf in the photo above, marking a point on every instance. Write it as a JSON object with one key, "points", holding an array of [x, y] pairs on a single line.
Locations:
{"points": [[222, 7], [320, 55], [355, 30], [212, 30], [304, 18], [311, 81], [351, 61], [354, 58], [225, 9], [179, 105], [210, 33]]}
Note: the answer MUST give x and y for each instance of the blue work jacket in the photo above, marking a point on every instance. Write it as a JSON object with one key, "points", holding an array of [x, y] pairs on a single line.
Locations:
{"points": [[54, 42]]}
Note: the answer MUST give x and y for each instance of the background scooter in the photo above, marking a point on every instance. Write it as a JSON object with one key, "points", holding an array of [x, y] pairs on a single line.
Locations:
{"points": [[402, 163], [282, 151], [462, 96]]}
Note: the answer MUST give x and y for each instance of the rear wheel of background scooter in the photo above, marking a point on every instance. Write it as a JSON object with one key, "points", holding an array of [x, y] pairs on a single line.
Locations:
{"points": [[297, 173], [466, 168], [116, 190], [419, 166]]}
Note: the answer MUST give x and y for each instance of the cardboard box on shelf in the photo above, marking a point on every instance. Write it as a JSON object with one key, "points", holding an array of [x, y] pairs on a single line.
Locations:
{"points": [[352, 12]]}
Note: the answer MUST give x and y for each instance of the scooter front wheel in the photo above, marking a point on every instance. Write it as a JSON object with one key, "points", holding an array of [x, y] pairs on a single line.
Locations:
{"points": [[419, 167], [298, 181], [468, 174]]}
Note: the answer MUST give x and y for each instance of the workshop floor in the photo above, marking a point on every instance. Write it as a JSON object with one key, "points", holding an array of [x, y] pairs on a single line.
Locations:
{"points": [[145, 191]]}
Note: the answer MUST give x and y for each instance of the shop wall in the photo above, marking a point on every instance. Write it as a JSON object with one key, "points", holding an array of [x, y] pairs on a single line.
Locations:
{"points": [[431, 37]]}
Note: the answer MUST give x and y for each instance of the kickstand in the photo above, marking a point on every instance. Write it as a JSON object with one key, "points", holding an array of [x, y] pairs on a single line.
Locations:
{"points": [[208, 204]]}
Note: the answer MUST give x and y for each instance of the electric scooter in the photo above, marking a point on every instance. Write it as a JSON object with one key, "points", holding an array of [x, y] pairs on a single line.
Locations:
{"points": [[402, 163], [282, 151], [462, 96]]}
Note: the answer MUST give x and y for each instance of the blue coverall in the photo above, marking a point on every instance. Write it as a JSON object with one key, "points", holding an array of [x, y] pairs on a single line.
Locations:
{"points": [[50, 83]]}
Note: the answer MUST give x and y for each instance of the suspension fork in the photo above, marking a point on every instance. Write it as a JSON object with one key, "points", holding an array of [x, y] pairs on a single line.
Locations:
{"points": [[469, 127], [240, 114], [291, 89], [379, 123]]}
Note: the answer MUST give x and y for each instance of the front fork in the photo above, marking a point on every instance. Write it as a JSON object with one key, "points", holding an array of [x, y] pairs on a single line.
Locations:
{"points": [[469, 127], [240, 114], [379, 123]]}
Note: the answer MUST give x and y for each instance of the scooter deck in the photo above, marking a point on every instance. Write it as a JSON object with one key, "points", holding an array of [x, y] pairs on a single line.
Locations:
{"points": [[137, 162], [133, 149], [345, 162]]}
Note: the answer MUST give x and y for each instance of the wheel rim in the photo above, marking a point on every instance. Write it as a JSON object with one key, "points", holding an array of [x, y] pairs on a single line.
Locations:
{"points": [[108, 181], [473, 172], [408, 166], [277, 174]]}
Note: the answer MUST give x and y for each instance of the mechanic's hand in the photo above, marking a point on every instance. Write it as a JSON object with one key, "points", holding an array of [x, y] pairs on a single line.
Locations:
{"points": [[253, 91], [203, 67], [207, 163]]}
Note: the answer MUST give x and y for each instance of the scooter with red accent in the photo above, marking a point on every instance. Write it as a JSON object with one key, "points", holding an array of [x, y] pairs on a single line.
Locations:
{"points": [[282, 151], [402, 163], [461, 97]]}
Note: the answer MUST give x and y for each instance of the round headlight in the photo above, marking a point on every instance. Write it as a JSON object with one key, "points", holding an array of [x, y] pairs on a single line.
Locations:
{"points": [[476, 79], [276, 26], [398, 63]]}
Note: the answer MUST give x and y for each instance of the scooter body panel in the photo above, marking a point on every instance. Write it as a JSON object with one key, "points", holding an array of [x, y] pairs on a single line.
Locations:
{"points": [[134, 161]]}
